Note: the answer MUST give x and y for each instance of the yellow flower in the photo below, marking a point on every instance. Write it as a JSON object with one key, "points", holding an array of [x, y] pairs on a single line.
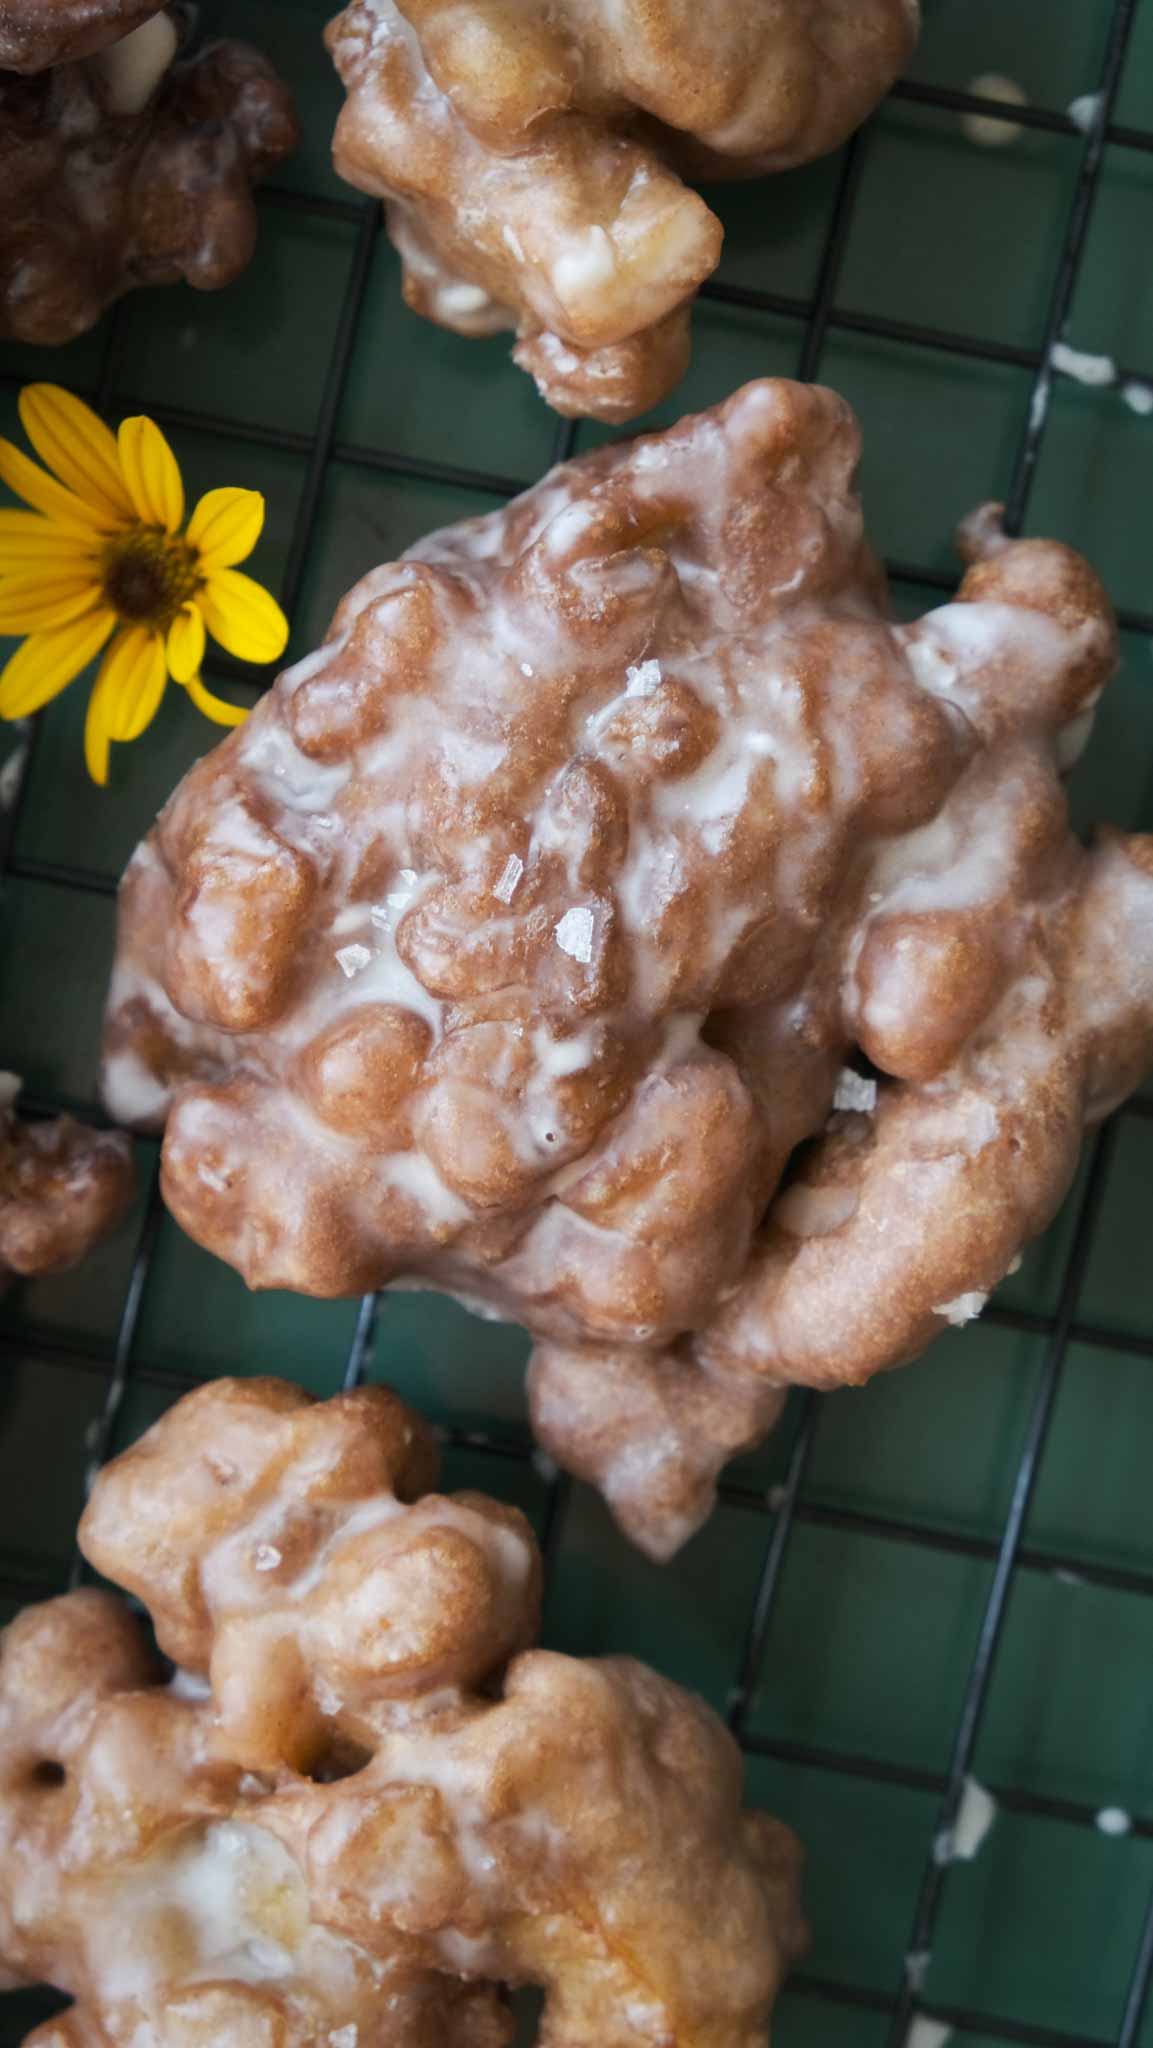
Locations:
{"points": [[102, 563]]}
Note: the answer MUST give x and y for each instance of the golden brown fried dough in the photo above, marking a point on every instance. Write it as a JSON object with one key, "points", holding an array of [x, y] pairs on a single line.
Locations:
{"points": [[529, 158], [620, 922], [350, 1818]]}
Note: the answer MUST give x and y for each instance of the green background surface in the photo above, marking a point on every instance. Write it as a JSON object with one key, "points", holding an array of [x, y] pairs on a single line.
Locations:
{"points": [[872, 1634]]}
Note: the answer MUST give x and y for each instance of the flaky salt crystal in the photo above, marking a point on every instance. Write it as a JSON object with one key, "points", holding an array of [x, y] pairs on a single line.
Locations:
{"points": [[574, 934]]}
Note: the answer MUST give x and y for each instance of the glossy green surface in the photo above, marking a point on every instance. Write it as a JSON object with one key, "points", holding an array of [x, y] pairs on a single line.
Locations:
{"points": [[872, 1635]]}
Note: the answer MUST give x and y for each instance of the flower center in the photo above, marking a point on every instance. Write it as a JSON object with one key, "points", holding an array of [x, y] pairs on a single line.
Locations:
{"points": [[148, 575]]}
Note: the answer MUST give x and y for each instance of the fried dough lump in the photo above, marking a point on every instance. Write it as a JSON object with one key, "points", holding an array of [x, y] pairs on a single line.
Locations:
{"points": [[120, 166], [362, 1807], [622, 923], [63, 1188], [529, 158]]}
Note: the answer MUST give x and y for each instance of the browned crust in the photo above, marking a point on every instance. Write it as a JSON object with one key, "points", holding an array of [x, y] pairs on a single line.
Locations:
{"points": [[529, 159], [519, 940], [98, 202], [388, 1806]]}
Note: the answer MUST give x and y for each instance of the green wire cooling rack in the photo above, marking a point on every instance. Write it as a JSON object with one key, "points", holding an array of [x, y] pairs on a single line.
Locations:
{"points": [[946, 1576]]}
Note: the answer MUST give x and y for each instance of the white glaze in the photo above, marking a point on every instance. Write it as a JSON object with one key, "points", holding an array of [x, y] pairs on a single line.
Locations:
{"points": [[965, 1308], [855, 1091]]}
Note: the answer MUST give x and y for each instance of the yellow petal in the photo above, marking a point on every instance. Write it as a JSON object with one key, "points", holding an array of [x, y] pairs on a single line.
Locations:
{"points": [[152, 473], [225, 527], [96, 736], [30, 604], [132, 679], [36, 487], [67, 435], [185, 644], [126, 695], [45, 664], [243, 617], [29, 542], [214, 707]]}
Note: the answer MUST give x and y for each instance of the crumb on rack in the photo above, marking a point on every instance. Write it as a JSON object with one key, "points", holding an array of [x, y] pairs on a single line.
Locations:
{"points": [[917, 1963], [1113, 1820], [987, 130], [927, 2033], [974, 1817], [1097, 371], [1086, 110]]}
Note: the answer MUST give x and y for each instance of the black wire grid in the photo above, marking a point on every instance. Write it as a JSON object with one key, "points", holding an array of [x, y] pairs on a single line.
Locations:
{"points": [[788, 1505]]}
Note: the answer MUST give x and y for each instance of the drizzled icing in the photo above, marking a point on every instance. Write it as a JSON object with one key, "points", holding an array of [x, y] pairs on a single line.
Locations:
{"points": [[654, 815], [125, 168], [520, 193], [304, 1853]]}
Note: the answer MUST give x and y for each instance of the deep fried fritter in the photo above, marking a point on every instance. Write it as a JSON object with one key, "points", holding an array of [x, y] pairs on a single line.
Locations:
{"points": [[613, 848], [63, 1187], [529, 158], [324, 1830], [127, 169]]}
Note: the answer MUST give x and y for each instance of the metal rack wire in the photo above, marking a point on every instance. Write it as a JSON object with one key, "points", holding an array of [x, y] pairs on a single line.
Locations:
{"points": [[119, 1365]]}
